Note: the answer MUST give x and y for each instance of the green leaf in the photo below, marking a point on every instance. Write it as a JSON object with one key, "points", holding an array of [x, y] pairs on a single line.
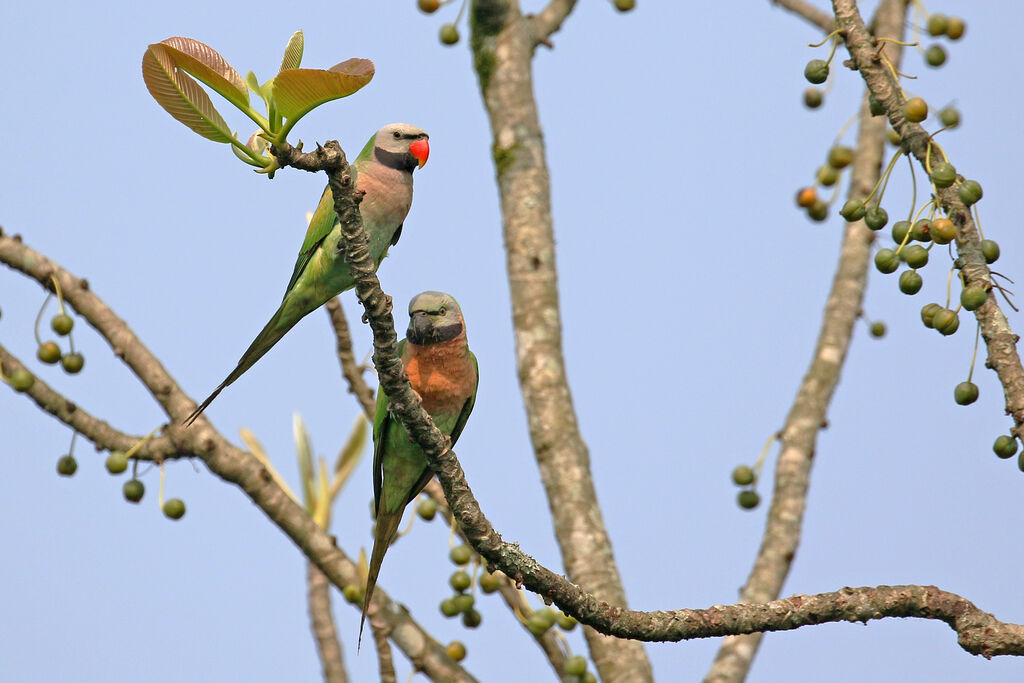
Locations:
{"points": [[292, 52], [297, 91], [206, 64], [181, 96], [304, 450]]}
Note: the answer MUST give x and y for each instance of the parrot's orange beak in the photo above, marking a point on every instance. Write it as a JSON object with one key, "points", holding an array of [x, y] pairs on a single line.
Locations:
{"points": [[421, 150]]}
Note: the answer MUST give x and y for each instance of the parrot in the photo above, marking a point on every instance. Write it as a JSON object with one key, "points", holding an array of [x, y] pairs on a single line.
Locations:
{"points": [[444, 373], [383, 171]]}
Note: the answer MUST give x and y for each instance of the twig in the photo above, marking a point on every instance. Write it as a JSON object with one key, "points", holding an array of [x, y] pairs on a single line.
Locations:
{"points": [[819, 18], [549, 20], [350, 369], [328, 647]]}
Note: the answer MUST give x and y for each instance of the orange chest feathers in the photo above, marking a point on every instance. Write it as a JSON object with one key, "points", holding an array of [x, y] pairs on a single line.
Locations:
{"points": [[442, 375]]}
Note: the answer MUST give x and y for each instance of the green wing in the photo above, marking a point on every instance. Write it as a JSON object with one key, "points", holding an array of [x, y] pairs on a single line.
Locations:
{"points": [[381, 419], [324, 218], [467, 407]]}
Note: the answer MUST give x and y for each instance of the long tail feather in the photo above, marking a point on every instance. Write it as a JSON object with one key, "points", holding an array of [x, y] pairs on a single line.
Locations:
{"points": [[272, 333], [384, 533]]}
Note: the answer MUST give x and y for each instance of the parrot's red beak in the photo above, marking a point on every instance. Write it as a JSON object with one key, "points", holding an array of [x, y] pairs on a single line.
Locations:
{"points": [[421, 150]]}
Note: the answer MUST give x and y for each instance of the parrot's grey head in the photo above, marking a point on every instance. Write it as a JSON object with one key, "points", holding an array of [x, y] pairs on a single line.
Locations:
{"points": [[401, 146], [434, 317]]}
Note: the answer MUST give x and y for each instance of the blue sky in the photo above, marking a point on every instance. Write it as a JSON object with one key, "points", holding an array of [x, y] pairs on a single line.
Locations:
{"points": [[678, 132]]}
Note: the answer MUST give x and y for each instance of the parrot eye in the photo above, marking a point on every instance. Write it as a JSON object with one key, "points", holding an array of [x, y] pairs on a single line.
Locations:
{"points": [[397, 135], [441, 311]]}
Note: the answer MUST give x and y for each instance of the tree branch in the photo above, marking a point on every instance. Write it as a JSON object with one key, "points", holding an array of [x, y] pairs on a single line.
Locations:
{"points": [[549, 20], [350, 369], [1000, 340], [328, 647], [104, 436], [823, 20], [503, 45], [798, 437], [222, 458]]}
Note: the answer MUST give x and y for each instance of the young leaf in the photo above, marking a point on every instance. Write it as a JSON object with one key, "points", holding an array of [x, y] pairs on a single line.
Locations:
{"points": [[206, 64], [181, 96], [292, 52], [297, 91]]}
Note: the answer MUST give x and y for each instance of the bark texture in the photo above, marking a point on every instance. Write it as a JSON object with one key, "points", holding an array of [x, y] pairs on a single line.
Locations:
{"points": [[503, 41]]}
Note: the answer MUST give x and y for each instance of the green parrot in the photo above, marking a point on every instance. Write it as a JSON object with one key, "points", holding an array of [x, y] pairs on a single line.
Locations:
{"points": [[443, 372], [383, 170]]}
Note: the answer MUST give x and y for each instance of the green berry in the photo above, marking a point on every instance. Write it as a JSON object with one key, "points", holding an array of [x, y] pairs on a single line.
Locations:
{"points": [[955, 29], [537, 625], [588, 677], [935, 55], [816, 71], [1005, 446], [828, 176], [547, 614], [916, 109], [449, 608], [946, 321], [910, 282], [464, 602], [970, 192], [428, 6], [876, 217], [456, 650], [899, 231], [990, 250], [743, 476], [48, 352], [22, 380], [116, 462], [886, 261], [840, 156], [449, 34], [813, 98], [564, 621], [921, 230], [72, 363], [1020, 461], [174, 508], [818, 211], [460, 581], [625, 5], [66, 465], [878, 329], [489, 582], [576, 665], [471, 619], [928, 312], [937, 24], [942, 231], [62, 323], [426, 509], [133, 490], [965, 393], [973, 297], [876, 108], [749, 499], [353, 594], [943, 174], [461, 554], [950, 117], [853, 210], [916, 256]]}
